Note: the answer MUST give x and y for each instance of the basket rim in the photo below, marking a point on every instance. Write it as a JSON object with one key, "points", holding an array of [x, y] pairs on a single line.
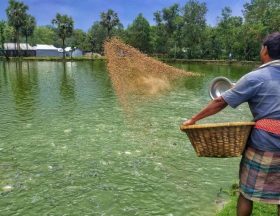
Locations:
{"points": [[211, 125]]}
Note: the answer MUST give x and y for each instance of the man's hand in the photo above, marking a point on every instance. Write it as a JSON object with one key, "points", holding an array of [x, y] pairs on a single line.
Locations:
{"points": [[188, 122], [212, 108]]}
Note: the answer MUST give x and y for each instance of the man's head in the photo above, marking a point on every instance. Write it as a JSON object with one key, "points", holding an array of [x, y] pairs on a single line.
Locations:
{"points": [[271, 47]]}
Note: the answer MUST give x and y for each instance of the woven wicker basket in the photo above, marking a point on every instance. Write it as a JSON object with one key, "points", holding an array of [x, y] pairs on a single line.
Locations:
{"points": [[220, 139]]}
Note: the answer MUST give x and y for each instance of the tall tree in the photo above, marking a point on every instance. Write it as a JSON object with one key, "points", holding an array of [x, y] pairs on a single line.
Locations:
{"points": [[64, 28], [78, 39], [109, 20], [228, 29], [212, 47], [159, 34], [170, 17], [16, 13], [174, 24], [194, 27], [96, 37], [169, 24], [139, 34], [44, 35], [264, 12], [2, 33], [27, 29], [249, 41], [3, 38], [9, 33]]}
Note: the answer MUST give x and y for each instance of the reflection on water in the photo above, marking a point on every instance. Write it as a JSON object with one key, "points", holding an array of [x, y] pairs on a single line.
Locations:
{"points": [[24, 87], [67, 87], [67, 147]]}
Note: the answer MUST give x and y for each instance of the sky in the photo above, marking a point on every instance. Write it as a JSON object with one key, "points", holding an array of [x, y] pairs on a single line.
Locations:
{"points": [[86, 12]]}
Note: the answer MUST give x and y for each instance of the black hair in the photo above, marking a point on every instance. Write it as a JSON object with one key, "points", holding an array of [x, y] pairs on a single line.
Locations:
{"points": [[272, 42]]}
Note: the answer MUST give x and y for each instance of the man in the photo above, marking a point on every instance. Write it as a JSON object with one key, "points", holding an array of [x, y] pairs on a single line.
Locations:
{"points": [[260, 164]]}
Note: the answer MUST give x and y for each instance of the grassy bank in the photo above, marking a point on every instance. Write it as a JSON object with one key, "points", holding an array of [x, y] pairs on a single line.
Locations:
{"points": [[54, 59], [83, 58], [260, 209], [218, 62]]}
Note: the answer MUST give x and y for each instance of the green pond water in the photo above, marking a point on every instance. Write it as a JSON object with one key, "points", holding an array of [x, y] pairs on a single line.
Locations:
{"points": [[67, 147]]}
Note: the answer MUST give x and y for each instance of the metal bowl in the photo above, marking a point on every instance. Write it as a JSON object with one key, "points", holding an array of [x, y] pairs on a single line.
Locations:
{"points": [[218, 86]]}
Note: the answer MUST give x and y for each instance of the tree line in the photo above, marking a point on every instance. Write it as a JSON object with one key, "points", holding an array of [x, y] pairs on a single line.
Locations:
{"points": [[178, 32]]}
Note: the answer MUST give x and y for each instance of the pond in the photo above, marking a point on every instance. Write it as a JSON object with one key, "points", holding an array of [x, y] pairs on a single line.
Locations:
{"points": [[67, 146]]}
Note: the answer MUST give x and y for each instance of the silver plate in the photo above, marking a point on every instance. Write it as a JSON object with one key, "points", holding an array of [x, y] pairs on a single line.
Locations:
{"points": [[218, 86]]}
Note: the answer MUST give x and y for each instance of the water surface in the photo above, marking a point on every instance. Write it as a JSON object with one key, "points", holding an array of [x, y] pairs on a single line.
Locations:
{"points": [[68, 148]]}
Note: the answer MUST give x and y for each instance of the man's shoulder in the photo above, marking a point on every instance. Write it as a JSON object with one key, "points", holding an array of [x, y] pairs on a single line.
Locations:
{"points": [[259, 74]]}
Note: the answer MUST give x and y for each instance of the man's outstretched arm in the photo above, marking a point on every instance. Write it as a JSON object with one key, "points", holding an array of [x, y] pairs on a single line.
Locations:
{"points": [[212, 108]]}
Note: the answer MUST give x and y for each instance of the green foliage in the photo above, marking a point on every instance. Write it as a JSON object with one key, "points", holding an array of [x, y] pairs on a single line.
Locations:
{"points": [[212, 46], [229, 30], [159, 38], [138, 34], [64, 25], [9, 33], [193, 39], [264, 12], [64, 28], [16, 13], [194, 28], [251, 36], [171, 19], [2, 33], [28, 27], [109, 20], [78, 39], [43, 35], [3, 38], [96, 37], [168, 31], [179, 32]]}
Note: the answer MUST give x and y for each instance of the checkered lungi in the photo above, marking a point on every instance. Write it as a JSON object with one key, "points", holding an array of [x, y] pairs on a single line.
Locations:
{"points": [[260, 176]]}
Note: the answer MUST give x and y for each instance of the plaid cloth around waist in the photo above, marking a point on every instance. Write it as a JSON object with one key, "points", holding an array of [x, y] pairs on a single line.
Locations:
{"points": [[269, 125], [260, 176]]}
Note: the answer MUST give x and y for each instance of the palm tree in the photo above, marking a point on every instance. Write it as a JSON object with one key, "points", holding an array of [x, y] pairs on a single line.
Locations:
{"points": [[64, 27], [28, 28], [16, 13], [109, 20]]}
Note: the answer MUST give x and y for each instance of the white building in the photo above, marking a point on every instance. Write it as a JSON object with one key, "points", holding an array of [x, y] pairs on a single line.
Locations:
{"points": [[47, 50], [75, 52], [40, 50], [24, 50]]}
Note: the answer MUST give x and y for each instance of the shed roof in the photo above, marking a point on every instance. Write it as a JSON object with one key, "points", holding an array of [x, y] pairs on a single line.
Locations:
{"points": [[45, 47], [13, 46]]}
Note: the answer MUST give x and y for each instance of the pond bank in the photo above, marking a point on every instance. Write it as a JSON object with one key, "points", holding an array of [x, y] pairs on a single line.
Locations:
{"points": [[55, 59], [259, 208], [218, 62], [199, 61]]}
